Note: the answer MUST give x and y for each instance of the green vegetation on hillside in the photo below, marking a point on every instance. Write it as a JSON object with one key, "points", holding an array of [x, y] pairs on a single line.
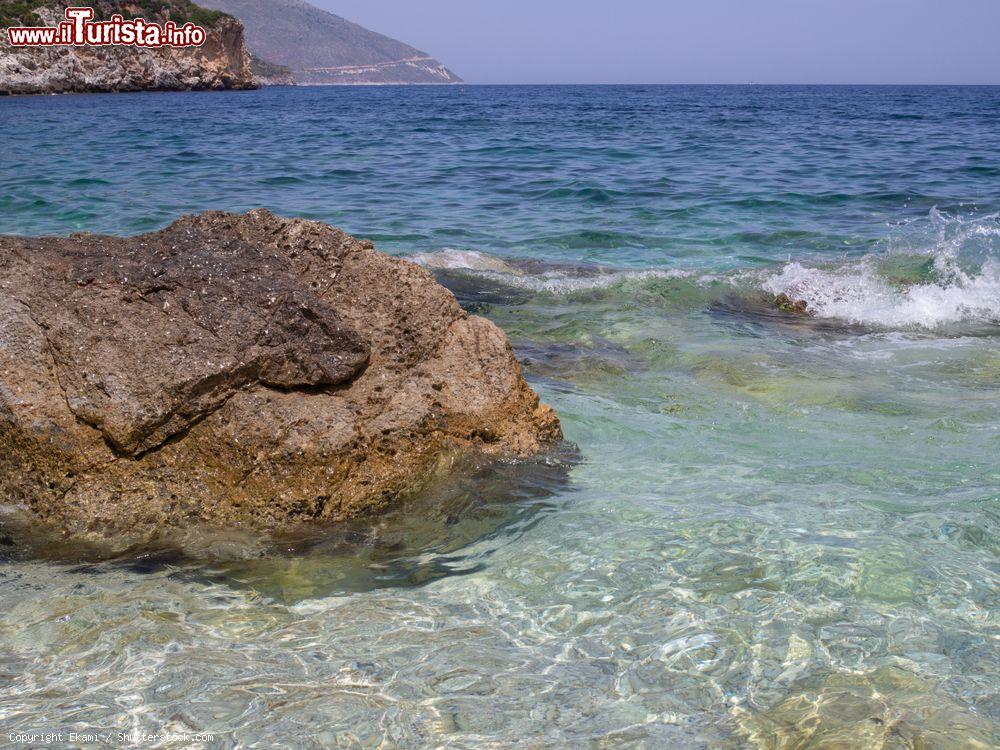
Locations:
{"points": [[267, 69], [22, 12], [178, 11]]}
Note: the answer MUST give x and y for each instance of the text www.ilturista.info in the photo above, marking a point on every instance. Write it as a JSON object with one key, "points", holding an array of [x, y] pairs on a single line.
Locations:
{"points": [[79, 30]]}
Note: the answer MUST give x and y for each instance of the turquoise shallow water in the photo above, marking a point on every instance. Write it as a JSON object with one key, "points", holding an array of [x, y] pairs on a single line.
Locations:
{"points": [[779, 531]]}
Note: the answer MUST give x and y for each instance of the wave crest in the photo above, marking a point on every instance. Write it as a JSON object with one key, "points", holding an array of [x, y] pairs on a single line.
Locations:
{"points": [[930, 273], [860, 295], [962, 281]]}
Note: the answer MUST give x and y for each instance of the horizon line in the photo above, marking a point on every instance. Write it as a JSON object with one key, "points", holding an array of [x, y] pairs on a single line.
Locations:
{"points": [[647, 83]]}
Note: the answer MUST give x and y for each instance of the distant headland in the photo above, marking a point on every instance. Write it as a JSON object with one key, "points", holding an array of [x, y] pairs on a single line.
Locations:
{"points": [[287, 42], [317, 47]]}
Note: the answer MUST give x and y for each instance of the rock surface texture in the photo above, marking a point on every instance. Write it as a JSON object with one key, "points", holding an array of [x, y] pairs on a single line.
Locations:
{"points": [[222, 62], [245, 370]]}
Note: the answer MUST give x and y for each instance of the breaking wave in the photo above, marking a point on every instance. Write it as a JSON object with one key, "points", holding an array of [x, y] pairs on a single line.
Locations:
{"points": [[859, 294], [952, 278], [938, 271]]}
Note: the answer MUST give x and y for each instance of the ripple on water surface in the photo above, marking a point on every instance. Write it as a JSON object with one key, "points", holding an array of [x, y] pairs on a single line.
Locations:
{"points": [[782, 528]]}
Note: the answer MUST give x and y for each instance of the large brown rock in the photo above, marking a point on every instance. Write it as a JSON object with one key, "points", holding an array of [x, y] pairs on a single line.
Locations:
{"points": [[245, 370]]}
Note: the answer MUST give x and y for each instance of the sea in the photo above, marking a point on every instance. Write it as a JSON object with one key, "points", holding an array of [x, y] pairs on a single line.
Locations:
{"points": [[768, 529]]}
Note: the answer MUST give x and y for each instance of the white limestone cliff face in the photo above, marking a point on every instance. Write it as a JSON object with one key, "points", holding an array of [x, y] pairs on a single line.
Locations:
{"points": [[221, 63]]}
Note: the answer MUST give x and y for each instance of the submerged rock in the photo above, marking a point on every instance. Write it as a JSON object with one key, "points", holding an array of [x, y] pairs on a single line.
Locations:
{"points": [[786, 303], [246, 370], [886, 708]]}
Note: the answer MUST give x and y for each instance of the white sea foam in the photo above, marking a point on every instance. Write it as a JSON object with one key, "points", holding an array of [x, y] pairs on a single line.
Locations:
{"points": [[472, 260], [858, 293], [552, 280], [557, 282], [963, 287]]}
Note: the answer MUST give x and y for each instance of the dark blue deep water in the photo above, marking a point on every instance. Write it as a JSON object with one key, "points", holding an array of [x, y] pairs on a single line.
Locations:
{"points": [[640, 175], [783, 528]]}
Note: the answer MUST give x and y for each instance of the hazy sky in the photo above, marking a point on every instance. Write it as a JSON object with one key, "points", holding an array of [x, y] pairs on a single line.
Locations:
{"points": [[696, 41]]}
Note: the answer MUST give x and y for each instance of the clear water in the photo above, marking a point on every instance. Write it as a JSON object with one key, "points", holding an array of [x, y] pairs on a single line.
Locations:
{"points": [[779, 531]]}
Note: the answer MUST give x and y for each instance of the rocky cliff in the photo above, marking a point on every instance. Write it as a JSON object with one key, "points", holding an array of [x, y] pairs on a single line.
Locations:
{"points": [[222, 62], [247, 370], [268, 73], [321, 48]]}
